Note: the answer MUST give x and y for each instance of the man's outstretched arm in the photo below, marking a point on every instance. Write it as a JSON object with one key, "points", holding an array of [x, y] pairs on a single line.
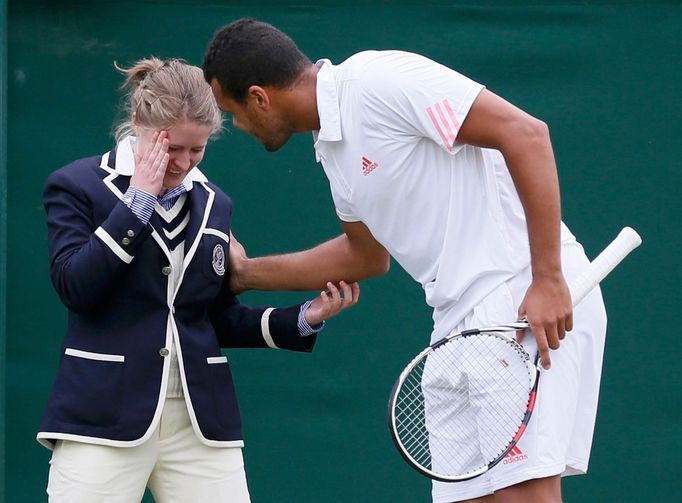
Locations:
{"points": [[352, 256]]}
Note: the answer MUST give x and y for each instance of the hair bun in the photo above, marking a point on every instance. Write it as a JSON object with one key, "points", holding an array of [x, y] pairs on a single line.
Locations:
{"points": [[136, 74]]}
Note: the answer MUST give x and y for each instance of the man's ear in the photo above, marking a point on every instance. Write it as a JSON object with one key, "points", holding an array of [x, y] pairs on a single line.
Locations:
{"points": [[259, 97]]}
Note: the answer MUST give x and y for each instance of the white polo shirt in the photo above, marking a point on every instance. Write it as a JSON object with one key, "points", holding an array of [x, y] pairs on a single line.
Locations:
{"points": [[448, 213]]}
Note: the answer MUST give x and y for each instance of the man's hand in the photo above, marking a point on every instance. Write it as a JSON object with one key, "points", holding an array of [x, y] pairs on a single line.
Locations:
{"points": [[238, 260], [548, 309], [332, 301]]}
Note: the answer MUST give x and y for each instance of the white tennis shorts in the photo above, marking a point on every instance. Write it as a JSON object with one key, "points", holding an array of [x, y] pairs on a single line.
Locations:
{"points": [[173, 463], [559, 436]]}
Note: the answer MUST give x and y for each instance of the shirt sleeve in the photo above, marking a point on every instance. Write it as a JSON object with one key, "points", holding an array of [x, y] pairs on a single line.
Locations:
{"points": [[141, 203], [303, 326], [409, 94]]}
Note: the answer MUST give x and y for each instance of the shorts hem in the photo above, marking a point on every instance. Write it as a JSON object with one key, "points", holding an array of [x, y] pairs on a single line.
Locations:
{"points": [[517, 478], [530, 474], [574, 467]]}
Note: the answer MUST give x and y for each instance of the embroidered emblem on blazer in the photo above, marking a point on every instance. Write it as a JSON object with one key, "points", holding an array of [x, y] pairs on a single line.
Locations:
{"points": [[219, 260]]}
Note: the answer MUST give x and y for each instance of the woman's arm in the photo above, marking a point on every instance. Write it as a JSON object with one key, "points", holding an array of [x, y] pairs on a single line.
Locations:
{"points": [[87, 259]]}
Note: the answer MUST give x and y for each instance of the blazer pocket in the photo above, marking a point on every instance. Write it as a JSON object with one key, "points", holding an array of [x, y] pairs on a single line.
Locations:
{"points": [[89, 389], [103, 357], [223, 398]]}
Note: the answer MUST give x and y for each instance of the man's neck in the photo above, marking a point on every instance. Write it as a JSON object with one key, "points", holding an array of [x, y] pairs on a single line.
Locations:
{"points": [[300, 101]]}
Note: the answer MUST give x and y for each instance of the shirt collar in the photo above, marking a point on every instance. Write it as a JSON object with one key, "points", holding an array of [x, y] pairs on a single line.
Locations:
{"points": [[327, 104], [174, 193], [125, 163]]}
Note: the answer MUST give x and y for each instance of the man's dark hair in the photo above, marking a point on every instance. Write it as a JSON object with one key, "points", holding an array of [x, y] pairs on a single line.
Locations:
{"points": [[249, 52]]}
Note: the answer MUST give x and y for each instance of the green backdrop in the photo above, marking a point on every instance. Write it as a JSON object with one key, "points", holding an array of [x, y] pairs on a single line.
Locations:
{"points": [[605, 76]]}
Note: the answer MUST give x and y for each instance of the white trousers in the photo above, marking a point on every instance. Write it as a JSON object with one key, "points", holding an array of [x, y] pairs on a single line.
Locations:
{"points": [[173, 463]]}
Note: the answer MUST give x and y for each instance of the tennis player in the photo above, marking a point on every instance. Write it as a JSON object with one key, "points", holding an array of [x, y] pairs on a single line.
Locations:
{"points": [[460, 187], [138, 242]]}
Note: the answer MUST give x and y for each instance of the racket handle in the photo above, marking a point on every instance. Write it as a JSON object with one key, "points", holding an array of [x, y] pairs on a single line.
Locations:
{"points": [[626, 241]]}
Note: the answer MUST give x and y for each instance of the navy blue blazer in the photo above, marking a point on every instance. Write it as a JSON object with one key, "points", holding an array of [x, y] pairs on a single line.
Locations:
{"points": [[112, 273]]}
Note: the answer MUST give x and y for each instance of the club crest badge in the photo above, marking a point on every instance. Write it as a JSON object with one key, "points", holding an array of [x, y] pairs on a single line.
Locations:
{"points": [[219, 260]]}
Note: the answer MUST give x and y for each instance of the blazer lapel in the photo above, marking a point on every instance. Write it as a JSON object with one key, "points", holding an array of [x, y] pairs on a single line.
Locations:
{"points": [[200, 201]]}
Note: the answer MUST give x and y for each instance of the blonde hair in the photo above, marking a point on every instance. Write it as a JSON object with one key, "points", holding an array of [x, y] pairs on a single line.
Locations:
{"points": [[163, 93]]}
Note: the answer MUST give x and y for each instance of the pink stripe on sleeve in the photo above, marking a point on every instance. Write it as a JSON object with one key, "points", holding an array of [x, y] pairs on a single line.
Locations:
{"points": [[453, 118], [444, 120], [429, 111]]}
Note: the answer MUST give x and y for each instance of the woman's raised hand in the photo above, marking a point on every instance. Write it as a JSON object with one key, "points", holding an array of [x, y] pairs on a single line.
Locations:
{"points": [[151, 161]]}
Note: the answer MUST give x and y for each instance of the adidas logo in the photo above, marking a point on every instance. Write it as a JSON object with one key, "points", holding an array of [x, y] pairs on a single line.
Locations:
{"points": [[514, 456], [368, 166]]}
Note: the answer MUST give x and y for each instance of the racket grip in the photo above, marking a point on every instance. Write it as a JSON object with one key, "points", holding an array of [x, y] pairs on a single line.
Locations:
{"points": [[626, 241]]}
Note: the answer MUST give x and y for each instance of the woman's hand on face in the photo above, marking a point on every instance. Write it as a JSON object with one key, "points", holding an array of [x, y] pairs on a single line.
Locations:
{"points": [[332, 301], [151, 163]]}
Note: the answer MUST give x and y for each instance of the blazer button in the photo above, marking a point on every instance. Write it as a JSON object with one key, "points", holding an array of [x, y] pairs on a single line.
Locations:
{"points": [[166, 270], [164, 352], [125, 241], [130, 233]]}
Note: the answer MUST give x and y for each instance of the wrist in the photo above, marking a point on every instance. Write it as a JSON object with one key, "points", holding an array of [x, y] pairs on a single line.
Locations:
{"points": [[548, 268], [143, 188], [238, 283], [308, 324], [548, 274]]}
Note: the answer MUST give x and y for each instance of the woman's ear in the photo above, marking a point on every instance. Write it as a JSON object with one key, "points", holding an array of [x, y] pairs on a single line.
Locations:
{"points": [[136, 132]]}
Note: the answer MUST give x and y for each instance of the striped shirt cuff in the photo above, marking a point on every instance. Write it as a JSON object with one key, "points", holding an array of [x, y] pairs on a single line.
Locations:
{"points": [[304, 327], [141, 203]]}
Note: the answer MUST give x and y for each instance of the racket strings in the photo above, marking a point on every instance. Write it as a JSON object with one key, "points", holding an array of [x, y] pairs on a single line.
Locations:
{"points": [[412, 427], [461, 405]]}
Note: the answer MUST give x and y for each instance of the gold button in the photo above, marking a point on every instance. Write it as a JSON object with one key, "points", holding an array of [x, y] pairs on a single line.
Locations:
{"points": [[130, 233], [166, 270], [164, 352], [125, 241]]}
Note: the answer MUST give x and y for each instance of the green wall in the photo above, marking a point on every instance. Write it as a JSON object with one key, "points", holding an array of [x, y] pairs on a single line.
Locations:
{"points": [[605, 76], [3, 233]]}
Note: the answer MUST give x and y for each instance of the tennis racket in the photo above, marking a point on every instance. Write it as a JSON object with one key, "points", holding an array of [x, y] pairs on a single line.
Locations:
{"points": [[461, 405]]}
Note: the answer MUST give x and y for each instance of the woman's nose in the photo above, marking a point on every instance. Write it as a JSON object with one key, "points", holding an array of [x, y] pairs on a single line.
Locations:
{"points": [[182, 161]]}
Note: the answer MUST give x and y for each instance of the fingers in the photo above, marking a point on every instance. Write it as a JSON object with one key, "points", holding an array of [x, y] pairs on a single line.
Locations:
{"points": [[158, 153], [547, 309], [344, 297], [151, 164], [355, 290], [543, 350], [520, 334], [350, 293], [332, 301], [561, 330], [546, 338], [161, 160]]}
